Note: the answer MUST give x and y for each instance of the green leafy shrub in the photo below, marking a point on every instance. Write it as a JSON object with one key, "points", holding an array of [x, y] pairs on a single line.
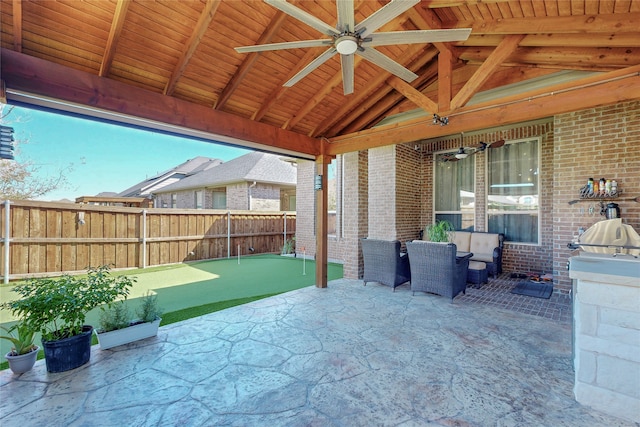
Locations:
{"points": [[57, 307], [440, 231], [148, 311], [114, 317]]}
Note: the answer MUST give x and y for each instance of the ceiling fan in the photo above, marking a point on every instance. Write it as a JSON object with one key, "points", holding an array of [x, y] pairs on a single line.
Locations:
{"points": [[462, 152], [348, 39]]}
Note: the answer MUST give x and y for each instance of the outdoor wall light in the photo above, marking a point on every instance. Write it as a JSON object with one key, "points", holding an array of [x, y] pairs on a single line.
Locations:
{"points": [[81, 218], [318, 182]]}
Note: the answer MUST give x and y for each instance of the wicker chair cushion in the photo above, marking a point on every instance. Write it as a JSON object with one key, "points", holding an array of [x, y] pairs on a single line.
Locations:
{"points": [[477, 265], [482, 246], [462, 240]]}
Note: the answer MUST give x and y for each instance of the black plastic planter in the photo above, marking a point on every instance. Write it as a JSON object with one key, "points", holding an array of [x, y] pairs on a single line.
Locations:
{"points": [[68, 353]]}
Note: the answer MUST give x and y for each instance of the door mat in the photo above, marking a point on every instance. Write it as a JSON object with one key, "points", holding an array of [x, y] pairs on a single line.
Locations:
{"points": [[534, 289]]}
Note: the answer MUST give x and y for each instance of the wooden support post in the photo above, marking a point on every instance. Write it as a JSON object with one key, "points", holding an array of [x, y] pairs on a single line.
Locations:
{"points": [[320, 186], [445, 79]]}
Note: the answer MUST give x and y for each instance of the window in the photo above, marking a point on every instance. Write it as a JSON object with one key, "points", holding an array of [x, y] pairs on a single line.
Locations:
{"points": [[454, 194], [512, 191], [335, 186], [198, 199], [219, 199], [174, 200]]}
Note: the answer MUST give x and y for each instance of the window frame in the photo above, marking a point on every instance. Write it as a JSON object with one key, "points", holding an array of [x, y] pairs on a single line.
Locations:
{"points": [[435, 212], [198, 194], [538, 211]]}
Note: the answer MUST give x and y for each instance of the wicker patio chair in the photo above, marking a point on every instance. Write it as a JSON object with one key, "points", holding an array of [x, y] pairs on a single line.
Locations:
{"points": [[436, 269], [383, 263]]}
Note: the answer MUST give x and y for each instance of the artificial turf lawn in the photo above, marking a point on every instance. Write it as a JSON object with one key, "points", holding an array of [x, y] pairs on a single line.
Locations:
{"points": [[195, 289]]}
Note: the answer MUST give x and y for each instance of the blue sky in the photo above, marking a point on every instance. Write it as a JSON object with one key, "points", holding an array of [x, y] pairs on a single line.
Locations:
{"points": [[103, 157]]}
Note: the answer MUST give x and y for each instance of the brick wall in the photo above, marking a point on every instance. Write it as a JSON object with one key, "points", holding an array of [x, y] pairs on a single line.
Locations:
{"points": [[595, 143], [237, 196], [408, 200], [355, 213], [265, 197], [382, 193], [516, 257], [598, 142], [305, 210]]}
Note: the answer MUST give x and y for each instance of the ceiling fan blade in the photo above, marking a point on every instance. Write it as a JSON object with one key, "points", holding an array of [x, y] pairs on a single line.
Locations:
{"points": [[303, 16], [418, 36], [285, 45], [384, 15], [310, 67], [497, 144], [347, 63], [346, 20], [386, 63]]}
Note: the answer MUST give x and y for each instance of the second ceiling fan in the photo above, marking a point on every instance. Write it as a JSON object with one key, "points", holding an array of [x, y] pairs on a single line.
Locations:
{"points": [[462, 152], [349, 38]]}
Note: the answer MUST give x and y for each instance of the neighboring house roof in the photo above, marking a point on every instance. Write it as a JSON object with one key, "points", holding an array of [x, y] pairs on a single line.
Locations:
{"points": [[168, 177], [254, 166]]}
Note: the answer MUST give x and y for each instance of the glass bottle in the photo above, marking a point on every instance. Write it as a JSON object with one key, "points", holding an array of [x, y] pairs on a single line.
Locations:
{"points": [[601, 186]]}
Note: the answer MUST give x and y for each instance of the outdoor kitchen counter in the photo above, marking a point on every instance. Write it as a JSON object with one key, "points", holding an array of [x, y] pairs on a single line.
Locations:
{"points": [[607, 332]]}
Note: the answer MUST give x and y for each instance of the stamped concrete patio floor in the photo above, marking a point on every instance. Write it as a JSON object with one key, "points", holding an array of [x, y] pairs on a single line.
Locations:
{"points": [[348, 355]]}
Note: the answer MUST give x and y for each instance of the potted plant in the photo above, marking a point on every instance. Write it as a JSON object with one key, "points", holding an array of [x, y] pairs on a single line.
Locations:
{"points": [[57, 307], [24, 352], [117, 328], [440, 231]]}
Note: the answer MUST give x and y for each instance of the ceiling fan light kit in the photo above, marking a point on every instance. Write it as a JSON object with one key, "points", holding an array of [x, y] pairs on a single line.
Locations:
{"points": [[347, 45], [348, 38]]}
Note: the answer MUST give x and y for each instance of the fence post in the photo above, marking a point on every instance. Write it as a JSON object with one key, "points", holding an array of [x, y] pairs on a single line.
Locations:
{"points": [[228, 234], [285, 231], [7, 230], [144, 238]]}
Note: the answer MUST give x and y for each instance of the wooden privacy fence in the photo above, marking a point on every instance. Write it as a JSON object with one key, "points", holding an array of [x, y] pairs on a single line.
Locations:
{"points": [[40, 238]]}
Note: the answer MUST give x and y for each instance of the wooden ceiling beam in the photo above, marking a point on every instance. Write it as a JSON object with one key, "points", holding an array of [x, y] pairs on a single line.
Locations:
{"points": [[558, 67], [382, 102], [368, 111], [114, 35], [508, 45], [413, 94], [445, 80], [559, 40], [207, 15], [41, 78], [434, 4], [603, 56], [578, 24], [426, 19], [590, 92]]}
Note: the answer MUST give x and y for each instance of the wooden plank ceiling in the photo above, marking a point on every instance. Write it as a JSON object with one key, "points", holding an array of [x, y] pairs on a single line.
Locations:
{"points": [[179, 56]]}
